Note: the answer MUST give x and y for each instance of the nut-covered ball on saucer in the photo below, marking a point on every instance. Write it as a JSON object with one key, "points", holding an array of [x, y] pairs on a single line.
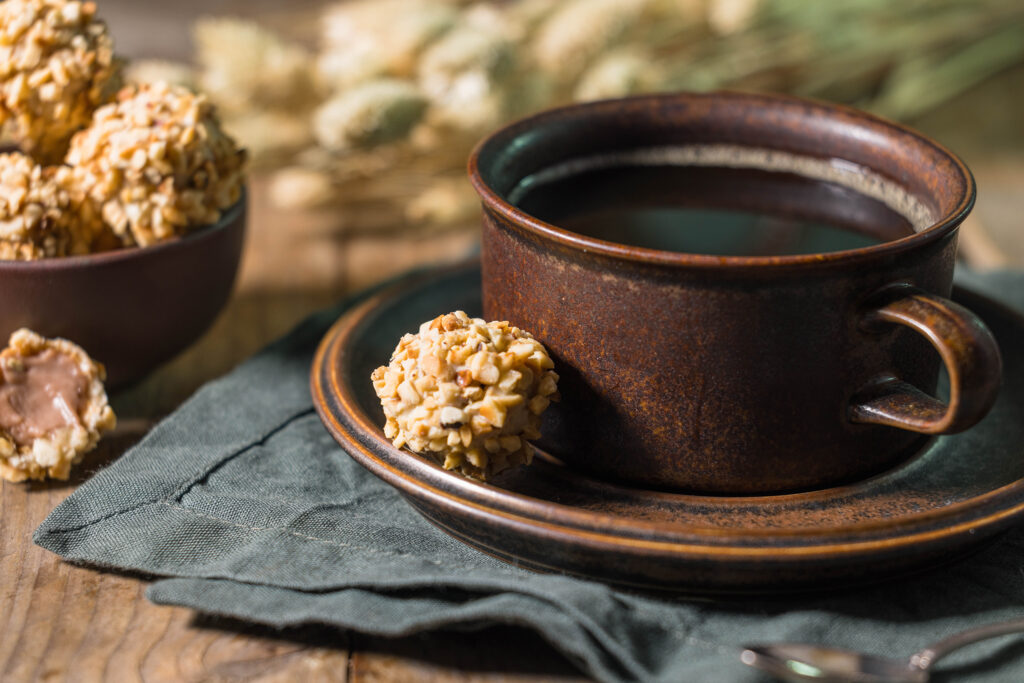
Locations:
{"points": [[468, 392], [53, 407], [57, 65], [156, 163], [37, 217]]}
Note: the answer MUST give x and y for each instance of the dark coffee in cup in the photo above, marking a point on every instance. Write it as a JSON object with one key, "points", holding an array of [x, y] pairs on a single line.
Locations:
{"points": [[678, 199]]}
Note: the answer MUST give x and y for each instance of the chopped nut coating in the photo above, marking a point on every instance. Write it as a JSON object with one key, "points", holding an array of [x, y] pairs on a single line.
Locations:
{"points": [[57, 66], [156, 164], [53, 407], [37, 219], [467, 392]]}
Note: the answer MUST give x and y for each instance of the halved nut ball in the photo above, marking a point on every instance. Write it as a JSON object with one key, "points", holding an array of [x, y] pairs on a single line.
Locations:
{"points": [[53, 407]]}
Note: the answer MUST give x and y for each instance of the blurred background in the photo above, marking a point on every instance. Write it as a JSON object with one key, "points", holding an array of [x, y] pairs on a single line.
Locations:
{"points": [[360, 114]]}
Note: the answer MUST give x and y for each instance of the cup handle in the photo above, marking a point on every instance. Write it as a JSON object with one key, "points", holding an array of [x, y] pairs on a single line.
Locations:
{"points": [[967, 348]]}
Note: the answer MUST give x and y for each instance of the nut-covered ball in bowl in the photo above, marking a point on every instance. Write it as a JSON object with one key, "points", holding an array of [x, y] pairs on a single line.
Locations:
{"points": [[57, 65], [37, 217], [155, 164]]}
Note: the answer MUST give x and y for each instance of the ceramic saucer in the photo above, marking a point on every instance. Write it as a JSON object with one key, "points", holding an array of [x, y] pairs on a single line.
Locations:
{"points": [[956, 492]]}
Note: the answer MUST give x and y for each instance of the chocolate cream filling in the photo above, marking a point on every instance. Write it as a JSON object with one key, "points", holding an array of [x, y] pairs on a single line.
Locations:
{"points": [[40, 394]]}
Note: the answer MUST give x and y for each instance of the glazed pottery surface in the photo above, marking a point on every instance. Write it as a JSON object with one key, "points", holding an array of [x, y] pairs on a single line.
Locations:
{"points": [[738, 374], [953, 493], [130, 309]]}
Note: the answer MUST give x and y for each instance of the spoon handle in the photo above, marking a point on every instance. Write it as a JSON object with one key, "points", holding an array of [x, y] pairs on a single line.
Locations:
{"points": [[931, 654]]}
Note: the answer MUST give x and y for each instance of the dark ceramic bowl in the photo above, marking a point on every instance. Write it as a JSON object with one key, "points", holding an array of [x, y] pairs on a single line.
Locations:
{"points": [[130, 309]]}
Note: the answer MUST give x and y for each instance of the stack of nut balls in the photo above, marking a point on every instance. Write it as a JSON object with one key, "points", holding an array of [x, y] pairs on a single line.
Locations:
{"points": [[99, 166]]}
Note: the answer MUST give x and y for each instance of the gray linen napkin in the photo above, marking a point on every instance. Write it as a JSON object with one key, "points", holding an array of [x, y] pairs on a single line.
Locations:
{"points": [[247, 504]]}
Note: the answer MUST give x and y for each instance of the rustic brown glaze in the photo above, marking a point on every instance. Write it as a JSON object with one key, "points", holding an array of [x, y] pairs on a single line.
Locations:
{"points": [[954, 493], [737, 374], [130, 309], [972, 360]]}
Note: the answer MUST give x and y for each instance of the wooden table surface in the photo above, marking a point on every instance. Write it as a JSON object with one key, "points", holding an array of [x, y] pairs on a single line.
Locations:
{"points": [[62, 622]]}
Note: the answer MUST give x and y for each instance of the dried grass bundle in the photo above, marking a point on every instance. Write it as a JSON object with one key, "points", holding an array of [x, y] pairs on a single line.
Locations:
{"points": [[385, 111]]}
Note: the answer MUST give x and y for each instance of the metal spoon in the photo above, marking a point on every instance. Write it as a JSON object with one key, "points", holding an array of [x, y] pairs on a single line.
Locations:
{"points": [[801, 662]]}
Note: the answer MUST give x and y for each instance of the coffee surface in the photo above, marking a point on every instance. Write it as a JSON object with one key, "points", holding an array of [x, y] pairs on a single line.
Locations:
{"points": [[706, 209]]}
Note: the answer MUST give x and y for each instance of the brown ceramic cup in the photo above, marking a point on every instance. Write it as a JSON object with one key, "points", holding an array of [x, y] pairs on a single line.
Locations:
{"points": [[739, 374]]}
